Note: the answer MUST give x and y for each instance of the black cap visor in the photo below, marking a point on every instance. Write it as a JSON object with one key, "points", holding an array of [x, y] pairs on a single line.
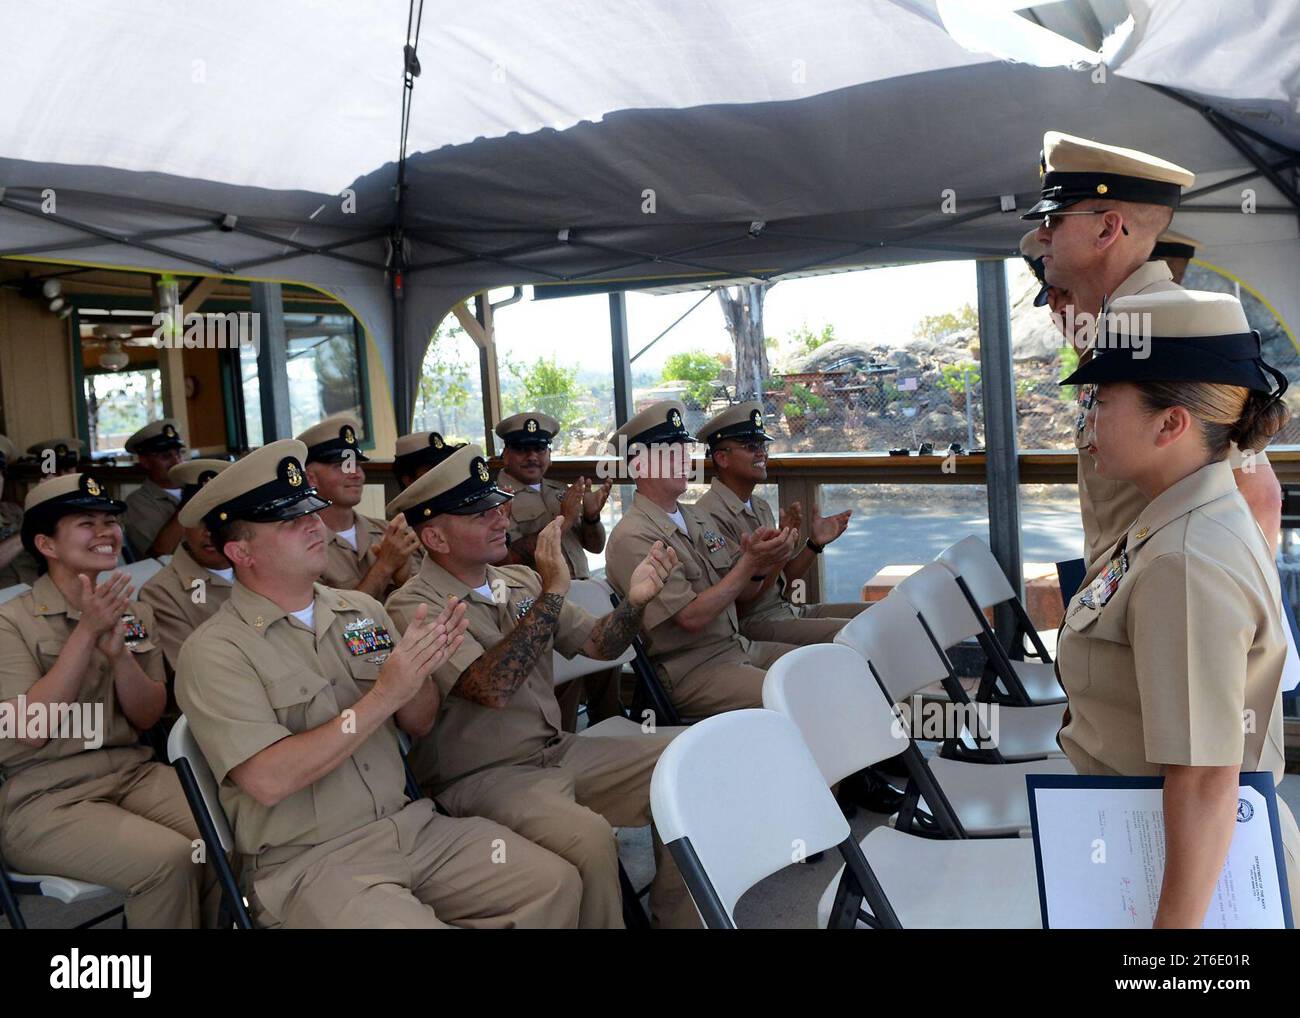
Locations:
{"points": [[1226, 360]]}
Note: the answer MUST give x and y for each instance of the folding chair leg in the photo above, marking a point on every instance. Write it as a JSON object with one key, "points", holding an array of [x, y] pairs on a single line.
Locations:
{"points": [[9, 902], [634, 917], [225, 873], [697, 882]]}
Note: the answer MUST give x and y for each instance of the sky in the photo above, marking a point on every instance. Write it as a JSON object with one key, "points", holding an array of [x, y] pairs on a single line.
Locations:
{"points": [[877, 305]]}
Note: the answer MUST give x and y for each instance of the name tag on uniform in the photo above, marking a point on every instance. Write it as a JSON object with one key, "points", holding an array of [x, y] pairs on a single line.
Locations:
{"points": [[522, 606], [365, 637], [713, 542], [1104, 586], [133, 630]]}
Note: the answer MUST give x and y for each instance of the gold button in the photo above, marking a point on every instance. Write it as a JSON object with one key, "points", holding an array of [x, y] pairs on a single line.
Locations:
{"points": [[259, 622], [1102, 188], [41, 608], [428, 512], [1142, 533], [223, 517]]}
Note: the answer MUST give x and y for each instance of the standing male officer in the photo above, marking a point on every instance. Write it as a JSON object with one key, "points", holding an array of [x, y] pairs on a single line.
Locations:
{"points": [[738, 447], [692, 630], [526, 457], [498, 750], [189, 589], [292, 690], [150, 521], [418, 453], [1101, 212], [363, 553], [1177, 251]]}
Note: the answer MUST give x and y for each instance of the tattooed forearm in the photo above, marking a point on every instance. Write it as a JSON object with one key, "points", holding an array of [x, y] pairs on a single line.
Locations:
{"points": [[494, 677], [614, 632]]}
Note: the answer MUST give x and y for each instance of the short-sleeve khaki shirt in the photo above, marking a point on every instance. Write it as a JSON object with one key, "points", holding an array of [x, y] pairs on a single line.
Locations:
{"points": [[346, 566], [469, 736], [34, 629], [172, 592], [733, 518], [1178, 658], [704, 557], [252, 675], [148, 510], [531, 510]]}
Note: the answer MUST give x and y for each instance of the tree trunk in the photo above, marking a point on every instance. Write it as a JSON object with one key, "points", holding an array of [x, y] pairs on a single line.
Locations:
{"points": [[743, 312]]}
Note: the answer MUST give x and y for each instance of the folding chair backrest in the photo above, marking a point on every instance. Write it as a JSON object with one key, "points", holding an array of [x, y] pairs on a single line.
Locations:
{"points": [[181, 744], [890, 636], [593, 597], [972, 560], [9, 593], [845, 719], [744, 789], [140, 572], [934, 593]]}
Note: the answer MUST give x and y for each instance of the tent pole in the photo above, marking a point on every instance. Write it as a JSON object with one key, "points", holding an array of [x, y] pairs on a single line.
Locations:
{"points": [[272, 361], [1003, 467], [622, 360]]}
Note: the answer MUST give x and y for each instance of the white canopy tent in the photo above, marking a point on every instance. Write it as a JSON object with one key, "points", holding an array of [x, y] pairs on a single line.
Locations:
{"points": [[607, 145]]}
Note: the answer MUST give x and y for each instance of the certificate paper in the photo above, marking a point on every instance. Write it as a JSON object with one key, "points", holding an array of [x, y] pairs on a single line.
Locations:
{"points": [[1099, 844]]}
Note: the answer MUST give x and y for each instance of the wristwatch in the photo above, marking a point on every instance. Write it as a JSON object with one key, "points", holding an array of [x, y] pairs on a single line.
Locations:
{"points": [[814, 547]]}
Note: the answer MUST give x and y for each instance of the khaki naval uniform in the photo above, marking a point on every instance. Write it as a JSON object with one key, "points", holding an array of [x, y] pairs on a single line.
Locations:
{"points": [[716, 669], [346, 566], [22, 568], [530, 510], [172, 593], [350, 850], [110, 815], [1164, 661], [516, 766], [148, 510], [770, 616]]}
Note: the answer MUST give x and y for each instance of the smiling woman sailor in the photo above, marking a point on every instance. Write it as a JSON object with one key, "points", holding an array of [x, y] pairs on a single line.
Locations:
{"points": [[81, 797], [1172, 650]]}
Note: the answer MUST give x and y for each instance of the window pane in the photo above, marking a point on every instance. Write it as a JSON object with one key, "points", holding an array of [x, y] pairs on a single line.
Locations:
{"points": [[252, 396], [449, 399], [324, 377], [119, 403]]}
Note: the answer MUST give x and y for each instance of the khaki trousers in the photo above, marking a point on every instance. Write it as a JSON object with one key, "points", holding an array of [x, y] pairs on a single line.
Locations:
{"points": [[810, 623], [569, 799], [114, 817], [416, 870], [730, 681]]}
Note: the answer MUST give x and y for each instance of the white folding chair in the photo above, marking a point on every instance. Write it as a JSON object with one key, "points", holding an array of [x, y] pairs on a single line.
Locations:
{"points": [[984, 585], [964, 797], [738, 797], [200, 787], [9, 593], [62, 889], [1027, 731], [593, 596], [848, 724], [140, 572]]}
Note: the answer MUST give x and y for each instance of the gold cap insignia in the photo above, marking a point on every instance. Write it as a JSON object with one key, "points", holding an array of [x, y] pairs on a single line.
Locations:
{"points": [[1102, 188], [530, 425], [435, 440], [293, 475], [481, 469], [169, 431], [92, 486], [756, 418], [349, 435], [674, 418]]}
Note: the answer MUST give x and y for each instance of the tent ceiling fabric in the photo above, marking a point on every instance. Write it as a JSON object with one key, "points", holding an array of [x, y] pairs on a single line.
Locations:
{"points": [[837, 123]]}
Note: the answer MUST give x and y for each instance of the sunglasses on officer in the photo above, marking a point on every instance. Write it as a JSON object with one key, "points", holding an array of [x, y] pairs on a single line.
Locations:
{"points": [[754, 447], [1052, 220]]}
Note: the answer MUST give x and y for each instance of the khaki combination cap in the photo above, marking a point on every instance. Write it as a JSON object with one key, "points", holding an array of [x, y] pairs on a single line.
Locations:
{"points": [[1076, 169], [460, 485], [333, 439], [192, 475], [66, 450], [422, 448], [744, 420], [263, 487], [661, 422], [1179, 336], [1174, 245], [62, 496], [528, 429], [156, 436]]}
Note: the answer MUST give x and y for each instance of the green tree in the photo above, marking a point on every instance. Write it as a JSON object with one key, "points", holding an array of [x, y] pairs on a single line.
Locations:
{"points": [[806, 341], [698, 368], [444, 390], [546, 386], [938, 326]]}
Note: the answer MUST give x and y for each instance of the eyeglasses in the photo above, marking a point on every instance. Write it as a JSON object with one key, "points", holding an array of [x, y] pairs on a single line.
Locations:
{"points": [[1049, 225], [753, 448]]}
